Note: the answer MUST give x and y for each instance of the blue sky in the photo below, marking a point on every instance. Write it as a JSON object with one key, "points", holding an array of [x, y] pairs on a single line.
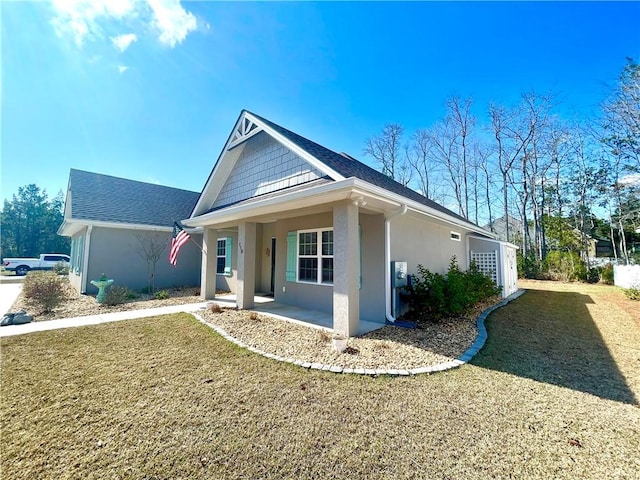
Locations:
{"points": [[150, 90]]}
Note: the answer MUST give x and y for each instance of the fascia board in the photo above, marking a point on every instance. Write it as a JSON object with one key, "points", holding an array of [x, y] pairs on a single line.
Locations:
{"points": [[298, 150], [69, 227]]}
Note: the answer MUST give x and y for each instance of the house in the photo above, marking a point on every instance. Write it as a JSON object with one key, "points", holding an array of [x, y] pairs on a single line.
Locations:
{"points": [[111, 220], [320, 230]]}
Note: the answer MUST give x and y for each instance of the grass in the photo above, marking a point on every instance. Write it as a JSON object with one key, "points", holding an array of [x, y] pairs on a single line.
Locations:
{"points": [[166, 397]]}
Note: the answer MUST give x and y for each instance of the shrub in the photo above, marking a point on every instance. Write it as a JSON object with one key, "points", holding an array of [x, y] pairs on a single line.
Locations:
{"points": [[45, 289], [632, 293], [116, 295], [528, 266], [161, 295], [565, 266], [61, 268], [593, 275], [606, 276], [434, 296]]}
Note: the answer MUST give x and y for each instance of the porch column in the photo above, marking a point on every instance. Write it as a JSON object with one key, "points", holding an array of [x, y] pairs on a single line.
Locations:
{"points": [[246, 285], [209, 262], [346, 293]]}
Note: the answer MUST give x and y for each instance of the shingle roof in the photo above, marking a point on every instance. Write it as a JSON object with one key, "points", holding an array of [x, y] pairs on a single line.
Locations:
{"points": [[349, 167], [111, 199]]}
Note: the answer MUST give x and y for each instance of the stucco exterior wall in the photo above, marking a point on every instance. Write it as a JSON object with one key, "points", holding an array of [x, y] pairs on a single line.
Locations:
{"points": [[320, 297], [426, 243], [113, 252], [312, 297]]}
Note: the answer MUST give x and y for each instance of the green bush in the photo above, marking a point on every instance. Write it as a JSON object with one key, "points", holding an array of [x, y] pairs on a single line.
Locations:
{"points": [[45, 289], [565, 266], [606, 275], [434, 296], [528, 266], [116, 295], [161, 295], [632, 293], [593, 275]]}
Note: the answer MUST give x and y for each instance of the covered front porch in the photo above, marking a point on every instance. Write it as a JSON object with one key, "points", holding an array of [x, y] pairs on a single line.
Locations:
{"points": [[290, 247], [266, 305]]}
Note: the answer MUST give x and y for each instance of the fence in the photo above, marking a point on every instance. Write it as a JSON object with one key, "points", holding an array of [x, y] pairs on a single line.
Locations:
{"points": [[626, 276]]}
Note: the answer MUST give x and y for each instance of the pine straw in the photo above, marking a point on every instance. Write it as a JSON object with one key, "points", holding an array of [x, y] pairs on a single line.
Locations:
{"points": [[166, 397]]}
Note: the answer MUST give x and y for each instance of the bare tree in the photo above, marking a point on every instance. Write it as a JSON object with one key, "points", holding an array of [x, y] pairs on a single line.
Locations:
{"points": [[482, 163], [386, 149], [460, 112], [507, 151], [150, 247], [419, 157]]}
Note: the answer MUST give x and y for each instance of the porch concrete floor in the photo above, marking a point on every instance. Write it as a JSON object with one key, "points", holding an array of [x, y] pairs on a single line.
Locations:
{"points": [[289, 313]]}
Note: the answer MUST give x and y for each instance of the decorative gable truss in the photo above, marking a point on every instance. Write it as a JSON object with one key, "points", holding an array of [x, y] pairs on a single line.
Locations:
{"points": [[246, 128]]}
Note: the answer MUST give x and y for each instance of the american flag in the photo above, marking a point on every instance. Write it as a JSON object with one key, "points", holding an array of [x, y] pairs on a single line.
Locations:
{"points": [[180, 237]]}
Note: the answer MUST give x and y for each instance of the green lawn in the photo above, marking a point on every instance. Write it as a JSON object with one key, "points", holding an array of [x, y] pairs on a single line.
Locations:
{"points": [[553, 395]]}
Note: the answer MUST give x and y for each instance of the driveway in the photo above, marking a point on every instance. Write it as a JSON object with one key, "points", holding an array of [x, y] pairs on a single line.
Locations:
{"points": [[8, 294]]}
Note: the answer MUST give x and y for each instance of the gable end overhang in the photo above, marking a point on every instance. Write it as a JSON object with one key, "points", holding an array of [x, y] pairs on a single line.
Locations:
{"points": [[246, 127], [73, 226]]}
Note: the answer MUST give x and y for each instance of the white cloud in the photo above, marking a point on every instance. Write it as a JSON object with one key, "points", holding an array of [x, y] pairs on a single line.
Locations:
{"points": [[122, 42], [80, 18], [631, 179], [91, 20], [122, 68], [172, 21]]}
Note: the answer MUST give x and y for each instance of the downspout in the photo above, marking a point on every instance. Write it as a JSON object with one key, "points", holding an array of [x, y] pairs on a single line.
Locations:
{"points": [[387, 262], [84, 275]]}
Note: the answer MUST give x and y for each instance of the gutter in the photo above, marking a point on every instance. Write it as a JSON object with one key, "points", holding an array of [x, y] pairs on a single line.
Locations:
{"points": [[387, 262], [85, 260]]}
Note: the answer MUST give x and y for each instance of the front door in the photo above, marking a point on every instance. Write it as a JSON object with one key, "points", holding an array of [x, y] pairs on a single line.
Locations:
{"points": [[273, 265]]}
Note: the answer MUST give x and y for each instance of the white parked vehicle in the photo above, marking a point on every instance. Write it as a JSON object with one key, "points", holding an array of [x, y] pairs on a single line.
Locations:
{"points": [[47, 261]]}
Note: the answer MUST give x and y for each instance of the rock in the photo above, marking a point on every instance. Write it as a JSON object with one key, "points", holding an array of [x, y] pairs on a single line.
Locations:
{"points": [[16, 318], [21, 318], [7, 319]]}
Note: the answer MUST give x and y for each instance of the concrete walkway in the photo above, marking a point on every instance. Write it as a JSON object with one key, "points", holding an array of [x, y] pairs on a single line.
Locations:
{"points": [[11, 330], [8, 294]]}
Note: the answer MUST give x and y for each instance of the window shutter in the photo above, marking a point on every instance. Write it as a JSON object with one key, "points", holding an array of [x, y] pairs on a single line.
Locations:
{"points": [[228, 251], [292, 247], [359, 256]]}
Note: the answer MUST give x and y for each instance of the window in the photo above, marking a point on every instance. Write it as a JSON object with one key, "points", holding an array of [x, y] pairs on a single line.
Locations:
{"points": [[56, 258], [221, 256], [312, 263], [455, 236], [224, 248], [315, 262]]}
